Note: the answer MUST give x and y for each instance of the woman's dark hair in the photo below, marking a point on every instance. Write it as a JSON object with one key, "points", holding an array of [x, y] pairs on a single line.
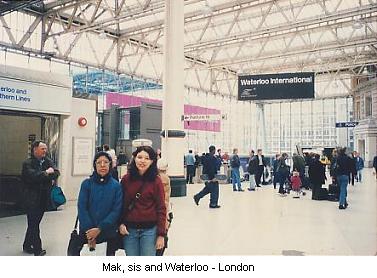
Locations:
{"points": [[98, 155], [152, 171]]}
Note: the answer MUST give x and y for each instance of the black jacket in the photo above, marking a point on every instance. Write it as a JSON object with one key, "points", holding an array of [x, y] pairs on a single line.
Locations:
{"points": [[317, 172], [344, 165], [235, 161], [37, 183], [253, 165], [210, 165]]}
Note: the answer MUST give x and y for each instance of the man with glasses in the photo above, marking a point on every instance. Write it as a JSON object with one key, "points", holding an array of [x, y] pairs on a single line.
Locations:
{"points": [[38, 172]]}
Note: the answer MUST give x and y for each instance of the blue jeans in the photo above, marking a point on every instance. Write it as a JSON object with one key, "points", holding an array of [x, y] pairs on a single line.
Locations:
{"points": [[211, 187], [236, 178], [140, 242], [359, 175], [343, 182]]}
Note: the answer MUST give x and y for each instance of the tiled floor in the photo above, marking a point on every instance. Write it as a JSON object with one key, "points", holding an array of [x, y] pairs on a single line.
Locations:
{"points": [[248, 223]]}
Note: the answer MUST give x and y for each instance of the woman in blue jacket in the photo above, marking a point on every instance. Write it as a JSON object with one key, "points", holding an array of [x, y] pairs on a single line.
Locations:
{"points": [[100, 206]]}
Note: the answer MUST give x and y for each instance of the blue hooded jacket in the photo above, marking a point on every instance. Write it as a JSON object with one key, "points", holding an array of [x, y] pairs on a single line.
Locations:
{"points": [[100, 204]]}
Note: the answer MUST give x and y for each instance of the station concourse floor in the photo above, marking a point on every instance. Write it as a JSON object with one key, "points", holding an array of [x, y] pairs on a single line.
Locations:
{"points": [[248, 223]]}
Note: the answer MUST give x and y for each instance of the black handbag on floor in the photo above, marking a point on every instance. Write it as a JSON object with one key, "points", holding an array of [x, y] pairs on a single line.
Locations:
{"points": [[75, 244]]}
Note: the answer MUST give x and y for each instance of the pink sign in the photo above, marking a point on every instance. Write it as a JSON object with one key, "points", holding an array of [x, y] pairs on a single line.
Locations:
{"points": [[125, 101]]}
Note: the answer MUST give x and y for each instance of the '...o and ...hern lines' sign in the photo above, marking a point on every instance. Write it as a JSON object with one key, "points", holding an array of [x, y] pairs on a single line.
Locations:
{"points": [[276, 86]]}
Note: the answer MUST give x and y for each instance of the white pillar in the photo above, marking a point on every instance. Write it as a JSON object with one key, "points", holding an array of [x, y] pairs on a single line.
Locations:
{"points": [[261, 127], [172, 145]]}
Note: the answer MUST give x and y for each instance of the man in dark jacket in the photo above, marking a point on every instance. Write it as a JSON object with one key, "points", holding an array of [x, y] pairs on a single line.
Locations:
{"points": [[235, 165], [210, 166], [260, 169], [317, 176], [38, 172]]}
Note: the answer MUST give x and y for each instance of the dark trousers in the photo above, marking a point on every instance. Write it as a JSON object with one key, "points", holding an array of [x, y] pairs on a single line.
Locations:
{"points": [[211, 187], [32, 237], [316, 187], [283, 176], [351, 178], [113, 244], [259, 174], [190, 173]]}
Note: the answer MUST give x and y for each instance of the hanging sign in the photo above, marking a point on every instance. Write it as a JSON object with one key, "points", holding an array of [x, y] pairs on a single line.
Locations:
{"points": [[276, 86]]}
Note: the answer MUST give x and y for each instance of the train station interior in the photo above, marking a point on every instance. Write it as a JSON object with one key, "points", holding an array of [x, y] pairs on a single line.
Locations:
{"points": [[292, 77]]}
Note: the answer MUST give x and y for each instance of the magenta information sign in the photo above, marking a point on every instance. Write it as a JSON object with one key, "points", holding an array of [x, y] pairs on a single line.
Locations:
{"points": [[214, 115]]}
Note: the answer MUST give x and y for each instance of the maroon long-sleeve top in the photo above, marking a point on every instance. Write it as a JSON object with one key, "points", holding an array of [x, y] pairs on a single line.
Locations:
{"points": [[149, 209]]}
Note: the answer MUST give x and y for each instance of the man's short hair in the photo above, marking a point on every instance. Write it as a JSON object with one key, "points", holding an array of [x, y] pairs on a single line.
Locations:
{"points": [[36, 144], [212, 148], [190, 151]]}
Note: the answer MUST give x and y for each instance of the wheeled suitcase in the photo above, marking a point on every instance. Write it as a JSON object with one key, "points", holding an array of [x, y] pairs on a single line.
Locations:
{"points": [[334, 189], [323, 194]]}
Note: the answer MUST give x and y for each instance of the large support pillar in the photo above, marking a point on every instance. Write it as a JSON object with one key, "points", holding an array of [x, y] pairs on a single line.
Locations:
{"points": [[261, 127], [172, 142]]}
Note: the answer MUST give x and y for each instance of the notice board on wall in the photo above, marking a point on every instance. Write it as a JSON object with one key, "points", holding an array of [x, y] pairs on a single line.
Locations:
{"points": [[82, 156]]}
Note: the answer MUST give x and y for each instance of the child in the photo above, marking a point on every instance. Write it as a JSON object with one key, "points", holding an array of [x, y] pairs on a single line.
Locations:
{"points": [[296, 183]]}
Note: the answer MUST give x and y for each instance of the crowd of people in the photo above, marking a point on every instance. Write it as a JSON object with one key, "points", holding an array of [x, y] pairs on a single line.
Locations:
{"points": [[134, 213]]}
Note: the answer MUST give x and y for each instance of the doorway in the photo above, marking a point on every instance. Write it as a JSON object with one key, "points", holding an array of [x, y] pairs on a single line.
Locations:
{"points": [[19, 130]]}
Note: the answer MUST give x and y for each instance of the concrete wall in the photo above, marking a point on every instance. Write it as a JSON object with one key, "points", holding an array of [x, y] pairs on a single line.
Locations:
{"points": [[69, 129]]}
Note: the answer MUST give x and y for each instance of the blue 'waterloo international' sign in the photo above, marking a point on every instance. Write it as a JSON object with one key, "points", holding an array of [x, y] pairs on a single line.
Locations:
{"points": [[276, 86], [346, 124]]}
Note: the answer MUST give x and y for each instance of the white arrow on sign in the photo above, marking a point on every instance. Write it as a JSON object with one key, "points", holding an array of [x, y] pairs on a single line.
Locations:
{"points": [[198, 117]]}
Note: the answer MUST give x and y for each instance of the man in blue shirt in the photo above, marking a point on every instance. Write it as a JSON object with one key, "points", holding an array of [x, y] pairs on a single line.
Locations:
{"points": [[210, 166], [190, 167]]}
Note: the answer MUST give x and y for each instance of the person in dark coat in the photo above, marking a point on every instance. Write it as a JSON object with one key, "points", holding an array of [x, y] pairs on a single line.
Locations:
{"points": [[353, 172], [283, 172], [210, 166], [38, 172], [252, 168], [275, 174], [317, 176], [343, 169], [99, 206]]}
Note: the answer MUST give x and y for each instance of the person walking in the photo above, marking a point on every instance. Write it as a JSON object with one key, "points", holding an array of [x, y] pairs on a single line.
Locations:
{"points": [[143, 221], [38, 172], [210, 166]]}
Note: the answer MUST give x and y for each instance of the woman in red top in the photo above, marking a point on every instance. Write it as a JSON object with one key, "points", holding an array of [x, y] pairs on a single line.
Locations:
{"points": [[144, 213]]}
